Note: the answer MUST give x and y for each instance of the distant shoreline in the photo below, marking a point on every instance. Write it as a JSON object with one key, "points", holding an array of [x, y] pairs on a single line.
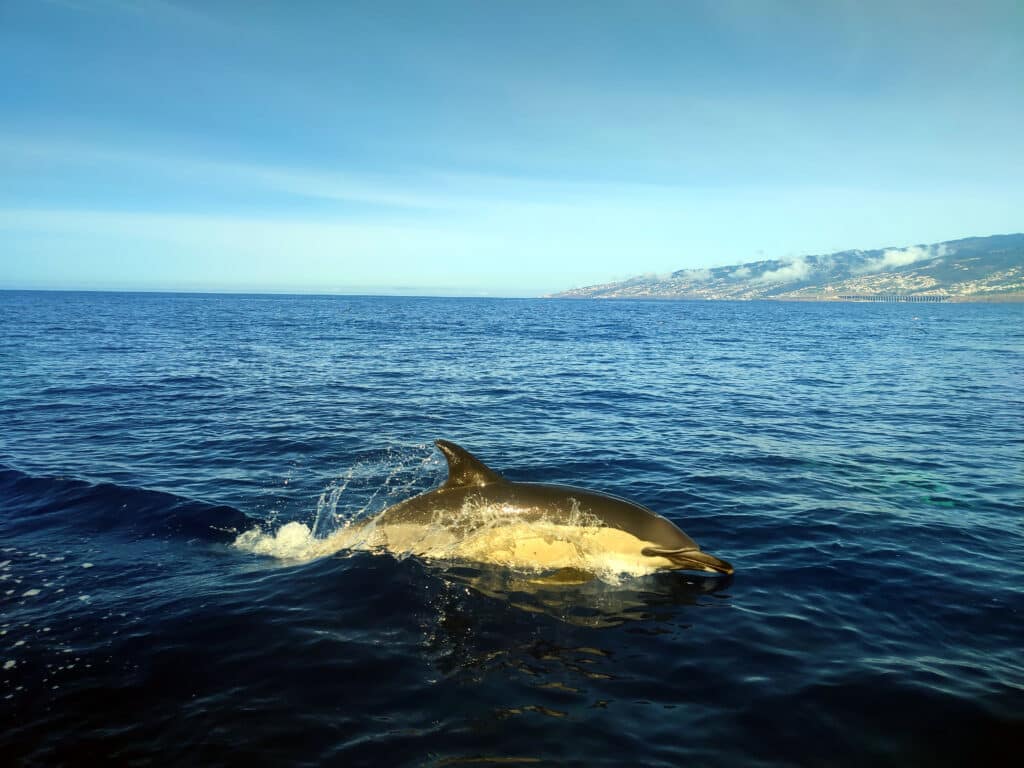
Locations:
{"points": [[1008, 298], [974, 269]]}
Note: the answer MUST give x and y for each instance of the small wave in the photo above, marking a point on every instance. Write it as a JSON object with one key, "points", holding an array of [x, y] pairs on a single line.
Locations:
{"points": [[29, 503], [191, 380]]}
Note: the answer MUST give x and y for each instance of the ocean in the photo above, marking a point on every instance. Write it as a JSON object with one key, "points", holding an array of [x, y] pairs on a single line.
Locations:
{"points": [[171, 466]]}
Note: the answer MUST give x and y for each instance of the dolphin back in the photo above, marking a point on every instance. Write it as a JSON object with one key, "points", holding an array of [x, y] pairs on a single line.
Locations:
{"points": [[467, 475], [475, 498]]}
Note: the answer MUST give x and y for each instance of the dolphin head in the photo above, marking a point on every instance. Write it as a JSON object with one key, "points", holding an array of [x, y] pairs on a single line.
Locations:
{"points": [[667, 541], [659, 539]]}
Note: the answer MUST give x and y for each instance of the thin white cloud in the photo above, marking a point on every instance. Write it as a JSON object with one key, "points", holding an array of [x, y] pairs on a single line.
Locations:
{"points": [[255, 234], [423, 223], [901, 257], [155, 11], [798, 269], [297, 181], [699, 275], [223, 250], [425, 191]]}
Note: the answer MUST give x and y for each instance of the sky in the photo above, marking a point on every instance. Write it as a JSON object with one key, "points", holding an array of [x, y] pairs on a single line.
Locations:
{"points": [[493, 148]]}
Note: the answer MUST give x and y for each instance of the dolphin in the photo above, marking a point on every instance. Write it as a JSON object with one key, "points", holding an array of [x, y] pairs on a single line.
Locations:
{"points": [[478, 515]]}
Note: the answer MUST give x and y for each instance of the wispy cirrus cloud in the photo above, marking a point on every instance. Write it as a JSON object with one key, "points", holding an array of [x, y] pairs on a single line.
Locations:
{"points": [[164, 250], [252, 234], [79, 200], [156, 11], [423, 190], [302, 182]]}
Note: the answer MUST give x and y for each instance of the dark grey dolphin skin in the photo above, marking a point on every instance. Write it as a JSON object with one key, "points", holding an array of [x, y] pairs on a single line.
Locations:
{"points": [[470, 479]]}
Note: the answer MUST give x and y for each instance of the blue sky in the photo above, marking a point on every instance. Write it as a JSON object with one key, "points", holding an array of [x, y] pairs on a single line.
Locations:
{"points": [[501, 148]]}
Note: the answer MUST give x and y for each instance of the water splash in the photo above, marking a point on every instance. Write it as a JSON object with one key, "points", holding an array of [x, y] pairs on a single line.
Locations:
{"points": [[372, 484], [482, 532], [346, 507]]}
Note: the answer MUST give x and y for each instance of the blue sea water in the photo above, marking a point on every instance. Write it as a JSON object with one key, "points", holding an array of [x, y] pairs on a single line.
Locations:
{"points": [[861, 465]]}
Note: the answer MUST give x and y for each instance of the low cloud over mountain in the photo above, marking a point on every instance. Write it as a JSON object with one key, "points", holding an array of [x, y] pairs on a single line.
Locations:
{"points": [[972, 268]]}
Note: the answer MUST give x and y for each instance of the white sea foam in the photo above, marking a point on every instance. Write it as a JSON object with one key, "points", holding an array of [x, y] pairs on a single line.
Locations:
{"points": [[495, 534], [293, 542]]}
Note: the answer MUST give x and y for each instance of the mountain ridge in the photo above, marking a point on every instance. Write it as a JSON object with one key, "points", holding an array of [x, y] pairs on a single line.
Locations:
{"points": [[989, 268]]}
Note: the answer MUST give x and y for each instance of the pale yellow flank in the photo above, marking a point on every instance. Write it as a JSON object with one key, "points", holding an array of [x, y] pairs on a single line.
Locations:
{"points": [[525, 546], [534, 546]]}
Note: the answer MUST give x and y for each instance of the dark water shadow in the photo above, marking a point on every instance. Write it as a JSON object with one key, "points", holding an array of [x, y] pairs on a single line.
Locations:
{"points": [[580, 600], [551, 634]]}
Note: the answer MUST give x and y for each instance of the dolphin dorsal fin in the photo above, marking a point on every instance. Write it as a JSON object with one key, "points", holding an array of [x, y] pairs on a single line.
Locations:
{"points": [[465, 469]]}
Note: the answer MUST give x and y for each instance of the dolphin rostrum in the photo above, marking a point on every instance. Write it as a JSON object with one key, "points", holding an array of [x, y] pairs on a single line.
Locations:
{"points": [[478, 515]]}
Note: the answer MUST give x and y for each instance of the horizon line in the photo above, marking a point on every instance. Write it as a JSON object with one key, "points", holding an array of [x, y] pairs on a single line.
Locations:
{"points": [[283, 293], [226, 291]]}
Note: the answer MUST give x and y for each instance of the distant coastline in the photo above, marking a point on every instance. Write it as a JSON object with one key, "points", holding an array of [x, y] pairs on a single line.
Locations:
{"points": [[999, 298], [1005, 298], [975, 269]]}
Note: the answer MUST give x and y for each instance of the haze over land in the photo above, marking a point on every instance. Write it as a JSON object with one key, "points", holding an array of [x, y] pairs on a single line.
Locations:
{"points": [[501, 148], [976, 268]]}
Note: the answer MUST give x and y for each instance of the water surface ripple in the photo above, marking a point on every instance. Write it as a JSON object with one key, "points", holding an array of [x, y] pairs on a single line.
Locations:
{"points": [[860, 465]]}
